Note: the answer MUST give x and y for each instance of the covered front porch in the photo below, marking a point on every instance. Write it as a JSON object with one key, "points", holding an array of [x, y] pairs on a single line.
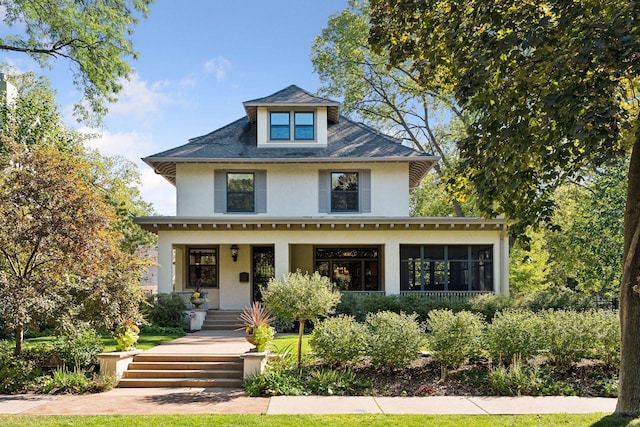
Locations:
{"points": [[231, 258]]}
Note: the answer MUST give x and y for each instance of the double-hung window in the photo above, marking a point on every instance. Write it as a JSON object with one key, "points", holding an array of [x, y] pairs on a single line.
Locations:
{"points": [[303, 126], [344, 192], [240, 192], [280, 126]]}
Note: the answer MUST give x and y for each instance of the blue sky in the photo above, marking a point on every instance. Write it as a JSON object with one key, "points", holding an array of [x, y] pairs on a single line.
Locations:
{"points": [[199, 60]]}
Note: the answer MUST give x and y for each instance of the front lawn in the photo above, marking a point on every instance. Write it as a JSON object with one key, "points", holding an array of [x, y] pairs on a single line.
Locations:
{"points": [[145, 342], [290, 342], [372, 420]]}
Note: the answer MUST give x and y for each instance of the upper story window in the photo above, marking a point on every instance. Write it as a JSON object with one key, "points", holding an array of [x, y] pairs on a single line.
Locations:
{"points": [[280, 128], [344, 192], [303, 125], [240, 192]]}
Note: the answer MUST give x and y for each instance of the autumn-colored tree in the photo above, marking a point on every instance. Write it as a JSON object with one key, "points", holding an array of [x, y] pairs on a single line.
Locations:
{"points": [[552, 87], [60, 253]]}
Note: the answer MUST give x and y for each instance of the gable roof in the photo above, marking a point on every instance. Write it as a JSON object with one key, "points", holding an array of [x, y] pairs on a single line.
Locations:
{"points": [[293, 96]]}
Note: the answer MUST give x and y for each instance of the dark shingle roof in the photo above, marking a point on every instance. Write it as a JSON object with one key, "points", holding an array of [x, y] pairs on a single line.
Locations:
{"points": [[292, 95], [347, 141]]}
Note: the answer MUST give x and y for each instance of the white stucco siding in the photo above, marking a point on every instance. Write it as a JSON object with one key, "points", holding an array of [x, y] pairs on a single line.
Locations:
{"points": [[293, 189], [194, 189], [234, 294]]}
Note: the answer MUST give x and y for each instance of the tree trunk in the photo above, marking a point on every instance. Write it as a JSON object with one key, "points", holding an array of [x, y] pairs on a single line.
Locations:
{"points": [[629, 386], [19, 338]]}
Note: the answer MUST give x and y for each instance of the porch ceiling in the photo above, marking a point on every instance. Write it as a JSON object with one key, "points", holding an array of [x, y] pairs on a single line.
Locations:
{"points": [[155, 224]]}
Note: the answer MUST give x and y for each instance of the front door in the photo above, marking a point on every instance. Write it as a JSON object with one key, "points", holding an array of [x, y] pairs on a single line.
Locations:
{"points": [[263, 267]]}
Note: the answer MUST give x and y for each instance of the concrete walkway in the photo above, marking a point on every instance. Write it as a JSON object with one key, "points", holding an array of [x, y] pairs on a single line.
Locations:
{"points": [[146, 401], [234, 401]]}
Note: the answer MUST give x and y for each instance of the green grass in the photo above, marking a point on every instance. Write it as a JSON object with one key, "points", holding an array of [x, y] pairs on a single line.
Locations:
{"points": [[145, 342], [600, 420], [282, 341]]}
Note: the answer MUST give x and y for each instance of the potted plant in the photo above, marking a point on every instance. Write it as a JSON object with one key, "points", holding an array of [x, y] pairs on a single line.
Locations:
{"points": [[256, 320], [197, 298]]}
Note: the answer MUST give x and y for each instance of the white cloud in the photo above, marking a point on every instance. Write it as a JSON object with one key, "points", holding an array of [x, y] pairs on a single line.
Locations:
{"points": [[138, 98], [219, 66]]}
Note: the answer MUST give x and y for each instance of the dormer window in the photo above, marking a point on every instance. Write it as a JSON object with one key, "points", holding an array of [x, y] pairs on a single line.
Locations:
{"points": [[303, 126]]}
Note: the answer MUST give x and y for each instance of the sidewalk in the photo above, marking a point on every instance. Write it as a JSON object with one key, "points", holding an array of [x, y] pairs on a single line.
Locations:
{"points": [[234, 401]]}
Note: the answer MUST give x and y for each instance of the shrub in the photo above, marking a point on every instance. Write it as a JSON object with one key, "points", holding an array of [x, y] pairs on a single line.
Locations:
{"points": [[16, 373], [557, 298], [63, 381], [605, 331], [489, 304], [332, 382], [512, 334], [567, 335], [339, 340], [79, 348], [166, 310], [393, 340], [453, 337], [278, 382]]}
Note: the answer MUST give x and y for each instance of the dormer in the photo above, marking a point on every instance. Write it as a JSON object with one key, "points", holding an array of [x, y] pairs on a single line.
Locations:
{"points": [[292, 118]]}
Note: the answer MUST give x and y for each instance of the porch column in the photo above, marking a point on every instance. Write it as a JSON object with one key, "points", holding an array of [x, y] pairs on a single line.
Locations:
{"points": [[165, 265], [504, 263], [281, 258], [392, 268]]}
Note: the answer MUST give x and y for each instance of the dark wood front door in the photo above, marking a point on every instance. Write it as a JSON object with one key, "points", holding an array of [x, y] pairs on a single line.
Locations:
{"points": [[263, 267]]}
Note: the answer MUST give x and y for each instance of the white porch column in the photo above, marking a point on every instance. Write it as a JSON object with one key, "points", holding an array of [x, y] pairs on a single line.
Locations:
{"points": [[165, 265], [281, 258], [392, 268]]}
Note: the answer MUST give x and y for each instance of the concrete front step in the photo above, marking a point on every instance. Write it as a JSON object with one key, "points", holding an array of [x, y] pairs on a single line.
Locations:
{"points": [[158, 366], [184, 373], [179, 382], [183, 370]]}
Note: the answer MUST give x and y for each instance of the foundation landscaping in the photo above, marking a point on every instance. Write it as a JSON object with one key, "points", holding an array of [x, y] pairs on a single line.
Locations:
{"points": [[551, 343]]}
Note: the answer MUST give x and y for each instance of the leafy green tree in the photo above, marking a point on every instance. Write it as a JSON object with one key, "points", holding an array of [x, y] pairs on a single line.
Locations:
{"points": [[93, 35], [529, 264], [60, 258], [300, 297], [388, 97], [550, 85]]}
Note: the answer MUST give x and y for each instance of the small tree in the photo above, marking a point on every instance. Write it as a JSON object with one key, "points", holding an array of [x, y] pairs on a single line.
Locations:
{"points": [[300, 297]]}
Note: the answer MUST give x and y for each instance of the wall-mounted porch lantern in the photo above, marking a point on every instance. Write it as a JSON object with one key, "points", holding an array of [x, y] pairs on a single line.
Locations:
{"points": [[234, 252]]}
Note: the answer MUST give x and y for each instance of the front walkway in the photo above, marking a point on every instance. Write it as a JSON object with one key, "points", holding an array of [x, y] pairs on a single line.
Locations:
{"points": [[205, 342]]}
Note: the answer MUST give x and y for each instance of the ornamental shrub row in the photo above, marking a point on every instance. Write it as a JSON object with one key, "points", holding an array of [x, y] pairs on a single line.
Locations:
{"points": [[563, 337], [390, 340], [554, 297]]}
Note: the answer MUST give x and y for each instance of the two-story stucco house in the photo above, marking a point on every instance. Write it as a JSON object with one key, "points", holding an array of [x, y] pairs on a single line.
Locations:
{"points": [[294, 185]]}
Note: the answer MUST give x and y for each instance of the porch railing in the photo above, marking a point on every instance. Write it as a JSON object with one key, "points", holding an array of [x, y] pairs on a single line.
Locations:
{"points": [[362, 293], [445, 295]]}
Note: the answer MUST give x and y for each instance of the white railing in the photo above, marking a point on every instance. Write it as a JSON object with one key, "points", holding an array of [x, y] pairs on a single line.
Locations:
{"points": [[446, 295], [362, 293]]}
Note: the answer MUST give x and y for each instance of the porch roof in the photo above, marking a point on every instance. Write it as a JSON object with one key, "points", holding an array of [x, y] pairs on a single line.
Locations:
{"points": [[255, 223]]}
